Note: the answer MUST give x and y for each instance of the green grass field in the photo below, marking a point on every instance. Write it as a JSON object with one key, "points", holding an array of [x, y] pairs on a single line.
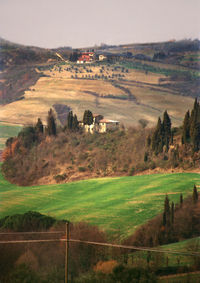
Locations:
{"points": [[193, 277], [116, 205], [172, 259], [7, 131]]}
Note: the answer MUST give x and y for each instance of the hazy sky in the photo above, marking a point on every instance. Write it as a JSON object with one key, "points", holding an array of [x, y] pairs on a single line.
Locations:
{"points": [[81, 23]]}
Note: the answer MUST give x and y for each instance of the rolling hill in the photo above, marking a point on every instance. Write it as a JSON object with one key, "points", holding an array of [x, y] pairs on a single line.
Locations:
{"points": [[137, 83], [116, 205]]}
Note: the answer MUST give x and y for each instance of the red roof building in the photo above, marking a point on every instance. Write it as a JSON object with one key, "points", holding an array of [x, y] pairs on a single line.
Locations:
{"points": [[86, 57]]}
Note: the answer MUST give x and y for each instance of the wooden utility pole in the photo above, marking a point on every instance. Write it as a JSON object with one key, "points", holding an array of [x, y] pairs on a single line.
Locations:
{"points": [[67, 254]]}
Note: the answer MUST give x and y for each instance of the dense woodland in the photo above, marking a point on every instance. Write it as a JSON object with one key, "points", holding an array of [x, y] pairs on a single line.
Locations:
{"points": [[61, 154]]}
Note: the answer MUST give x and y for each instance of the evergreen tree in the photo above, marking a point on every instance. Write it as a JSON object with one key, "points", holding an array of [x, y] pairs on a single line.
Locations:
{"points": [[196, 136], [39, 127], [148, 141], [167, 210], [51, 124], [181, 200], [164, 219], [157, 140], [172, 212], [87, 117], [70, 120], [195, 118], [186, 128], [195, 194], [75, 123], [166, 129], [146, 155]]}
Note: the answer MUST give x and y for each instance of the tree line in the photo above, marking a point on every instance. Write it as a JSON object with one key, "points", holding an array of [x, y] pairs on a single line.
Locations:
{"points": [[175, 223], [163, 135], [191, 127]]}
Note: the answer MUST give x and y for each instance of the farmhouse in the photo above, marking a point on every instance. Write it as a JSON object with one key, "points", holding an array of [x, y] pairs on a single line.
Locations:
{"points": [[102, 57], [86, 57], [100, 125]]}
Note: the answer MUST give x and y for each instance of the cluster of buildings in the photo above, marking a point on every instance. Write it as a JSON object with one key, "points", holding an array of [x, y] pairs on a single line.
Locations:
{"points": [[100, 125], [89, 57]]}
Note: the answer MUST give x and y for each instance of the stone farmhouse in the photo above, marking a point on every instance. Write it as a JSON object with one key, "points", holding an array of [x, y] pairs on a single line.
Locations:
{"points": [[100, 125]]}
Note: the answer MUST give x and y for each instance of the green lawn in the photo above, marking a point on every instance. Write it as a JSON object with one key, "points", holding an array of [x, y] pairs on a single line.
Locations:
{"points": [[117, 205], [7, 131]]}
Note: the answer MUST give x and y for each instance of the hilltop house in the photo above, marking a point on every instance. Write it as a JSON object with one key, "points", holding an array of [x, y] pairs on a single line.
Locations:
{"points": [[86, 57], [100, 125], [102, 57]]}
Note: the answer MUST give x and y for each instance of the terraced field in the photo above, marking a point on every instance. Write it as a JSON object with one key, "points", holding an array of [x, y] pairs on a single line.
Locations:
{"points": [[116, 205]]}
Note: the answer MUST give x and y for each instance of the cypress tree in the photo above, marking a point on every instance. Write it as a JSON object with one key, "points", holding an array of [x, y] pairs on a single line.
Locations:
{"points": [[167, 210], [70, 120], [39, 127], [172, 212], [195, 117], [181, 200], [164, 219], [75, 123], [156, 141], [87, 117], [186, 128], [51, 124], [196, 136], [195, 194], [148, 142], [166, 129]]}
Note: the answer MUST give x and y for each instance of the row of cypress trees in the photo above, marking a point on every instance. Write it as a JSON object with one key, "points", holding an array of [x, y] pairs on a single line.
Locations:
{"points": [[71, 123], [168, 213], [163, 134], [191, 127]]}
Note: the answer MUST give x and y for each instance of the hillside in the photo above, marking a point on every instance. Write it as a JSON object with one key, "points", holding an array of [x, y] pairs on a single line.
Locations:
{"points": [[110, 203], [56, 154], [137, 82]]}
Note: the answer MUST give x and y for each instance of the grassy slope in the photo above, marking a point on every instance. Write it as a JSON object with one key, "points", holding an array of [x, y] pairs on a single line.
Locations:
{"points": [[7, 131], [117, 205], [189, 245], [181, 278]]}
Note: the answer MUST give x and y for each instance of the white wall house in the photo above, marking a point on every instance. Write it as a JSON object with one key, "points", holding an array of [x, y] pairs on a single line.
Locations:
{"points": [[102, 57], [100, 125]]}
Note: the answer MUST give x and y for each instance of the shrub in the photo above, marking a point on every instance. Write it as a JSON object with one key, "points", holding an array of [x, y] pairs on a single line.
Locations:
{"points": [[131, 172], [60, 178], [105, 266], [23, 273], [29, 221], [81, 169]]}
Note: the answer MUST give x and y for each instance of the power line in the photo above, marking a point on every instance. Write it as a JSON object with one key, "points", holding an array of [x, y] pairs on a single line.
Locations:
{"points": [[30, 241], [104, 244], [29, 233], [136, 248]]}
